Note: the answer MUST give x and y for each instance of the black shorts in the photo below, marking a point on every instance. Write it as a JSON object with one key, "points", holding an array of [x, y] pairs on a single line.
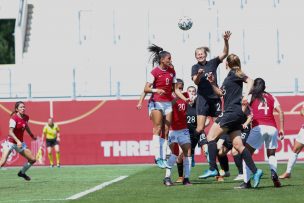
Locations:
{"points": [[208, 107], [244, 134], [232, 120], [51, 142]]}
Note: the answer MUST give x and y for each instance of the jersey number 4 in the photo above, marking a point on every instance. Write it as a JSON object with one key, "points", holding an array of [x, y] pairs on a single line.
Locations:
{"points": [[263, 106]]}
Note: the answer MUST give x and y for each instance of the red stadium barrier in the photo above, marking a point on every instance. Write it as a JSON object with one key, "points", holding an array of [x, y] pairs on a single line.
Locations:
{"points": [[115, 132]]}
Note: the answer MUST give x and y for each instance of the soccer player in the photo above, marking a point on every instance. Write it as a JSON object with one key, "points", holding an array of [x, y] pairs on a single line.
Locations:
{"points": [[18, 123], [231, 119], [264, 128], [208, 103], [52, 133], [160, 82], [224, 145], [179, 134], [191, 124], [297, 148]]}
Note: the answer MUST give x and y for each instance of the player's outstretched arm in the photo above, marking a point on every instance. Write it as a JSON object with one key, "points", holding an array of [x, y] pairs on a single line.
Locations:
{"points": [[179, 93], [249, 86], [196, 78], [141, 99], [215, 88], [28, 130], [225, 53], [281, 119]]}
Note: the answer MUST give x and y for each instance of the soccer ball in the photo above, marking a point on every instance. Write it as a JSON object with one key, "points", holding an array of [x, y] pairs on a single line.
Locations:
{"points": [[185, 23]]}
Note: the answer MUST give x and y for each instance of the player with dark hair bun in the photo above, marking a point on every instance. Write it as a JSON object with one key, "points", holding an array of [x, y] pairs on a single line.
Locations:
{"points": [[160, 82]]}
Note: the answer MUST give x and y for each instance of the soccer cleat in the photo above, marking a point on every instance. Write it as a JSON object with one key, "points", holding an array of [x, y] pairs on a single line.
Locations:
{"points": [[179, 180], [193, 161], [23, 175], [51, 166], [244, 186], [239, 177], [186, 182], [275, 179], [285, 175], [257, 178], [58, 166], [208, 173], [165, 163], [168, 182], [159, 162]]}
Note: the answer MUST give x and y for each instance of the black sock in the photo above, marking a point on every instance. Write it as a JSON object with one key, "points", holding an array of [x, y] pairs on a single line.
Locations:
{"points": [[239, 163], [212, 150], [180, 169], [246, 156], [224, 162], [194, 140]]}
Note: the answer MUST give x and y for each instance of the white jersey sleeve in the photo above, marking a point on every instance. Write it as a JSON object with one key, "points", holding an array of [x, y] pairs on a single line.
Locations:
{"points": [[174, 80], [150, 78], [12, 123], [276, 102]]}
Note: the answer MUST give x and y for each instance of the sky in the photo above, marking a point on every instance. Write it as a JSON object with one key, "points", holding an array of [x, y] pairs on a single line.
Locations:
{"points": [[106, 43]]}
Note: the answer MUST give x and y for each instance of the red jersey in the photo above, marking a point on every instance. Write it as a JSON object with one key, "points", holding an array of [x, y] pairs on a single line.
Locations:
{"points": [[19, 126], [163, 79], [263, 111], [179, 114]]}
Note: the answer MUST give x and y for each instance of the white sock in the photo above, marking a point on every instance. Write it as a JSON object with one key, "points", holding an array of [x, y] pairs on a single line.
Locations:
{"points": [[162, 148], [171, 161], [291, 161], [156, 146], [273, 164], [187, 166], [166, 151], [246, 172], [25, 167]]}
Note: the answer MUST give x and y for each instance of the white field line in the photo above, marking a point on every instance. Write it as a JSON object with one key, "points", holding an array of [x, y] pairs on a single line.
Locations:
{"points": [[76, 196], [98, 187]]}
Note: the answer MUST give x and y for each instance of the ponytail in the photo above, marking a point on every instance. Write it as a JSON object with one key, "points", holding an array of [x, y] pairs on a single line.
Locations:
{"points": [[258, 89], [157, 53], [234, 63], [16, 107], [238, 71]]}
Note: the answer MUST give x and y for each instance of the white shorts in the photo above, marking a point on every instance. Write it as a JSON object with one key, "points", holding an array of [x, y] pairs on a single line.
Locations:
{"points": [[263, 133], [12, 146], [300, 137], [164, 107], [179, 136]]}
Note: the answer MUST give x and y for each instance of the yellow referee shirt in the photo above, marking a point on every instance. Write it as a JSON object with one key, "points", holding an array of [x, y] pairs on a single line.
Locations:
{"points": [[51, 132]]}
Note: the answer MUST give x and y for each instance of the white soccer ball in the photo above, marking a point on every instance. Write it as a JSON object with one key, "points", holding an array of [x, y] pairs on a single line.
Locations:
{"points": [[185, 23]]}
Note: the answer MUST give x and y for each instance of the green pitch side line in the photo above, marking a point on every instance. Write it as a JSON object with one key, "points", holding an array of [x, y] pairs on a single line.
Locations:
{"points": [[94, 189]]}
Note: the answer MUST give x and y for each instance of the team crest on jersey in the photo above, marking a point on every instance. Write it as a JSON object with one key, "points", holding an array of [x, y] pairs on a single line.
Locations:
{"points": [[13, 155], [171, 74]]}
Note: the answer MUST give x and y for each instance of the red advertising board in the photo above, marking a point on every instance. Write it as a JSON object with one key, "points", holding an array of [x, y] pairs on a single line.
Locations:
{"points": [[115, 132]]}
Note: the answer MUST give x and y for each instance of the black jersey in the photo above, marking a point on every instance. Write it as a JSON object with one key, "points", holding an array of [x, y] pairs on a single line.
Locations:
{"points": [[232, 89], [204, 88], [191, 117]]}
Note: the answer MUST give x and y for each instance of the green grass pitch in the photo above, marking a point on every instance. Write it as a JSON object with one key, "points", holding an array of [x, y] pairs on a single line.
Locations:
{"points": [[143, 184]]}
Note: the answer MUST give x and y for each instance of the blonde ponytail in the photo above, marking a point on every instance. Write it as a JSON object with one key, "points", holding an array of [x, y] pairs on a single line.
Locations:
{"points": [[235, 64]]}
